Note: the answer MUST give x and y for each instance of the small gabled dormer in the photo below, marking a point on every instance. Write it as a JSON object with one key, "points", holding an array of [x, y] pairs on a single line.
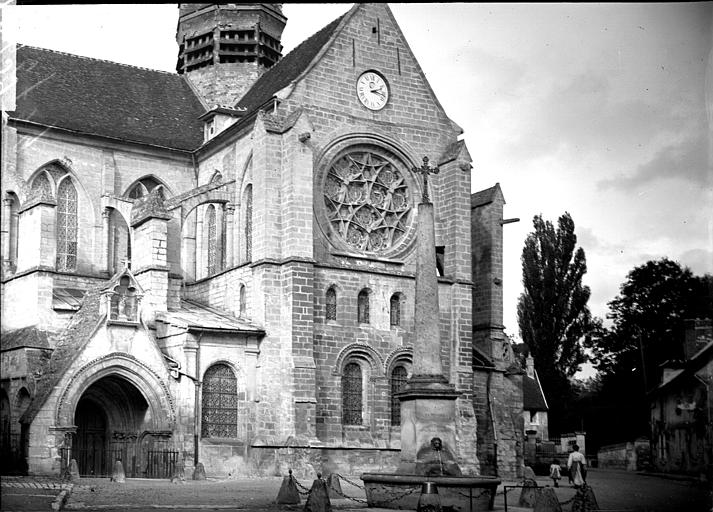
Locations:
{"points": [[218, 119], [121, 299]]}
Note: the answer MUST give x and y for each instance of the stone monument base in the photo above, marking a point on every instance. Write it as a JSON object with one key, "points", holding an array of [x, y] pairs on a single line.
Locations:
{"points": [[462, 494]]}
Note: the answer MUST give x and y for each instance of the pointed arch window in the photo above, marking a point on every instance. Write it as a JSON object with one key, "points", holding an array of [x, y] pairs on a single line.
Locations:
{"points": [[142, 187], [212, 239], [331, 303], [220, 402], [363, 307], [395, 310], [249, 223], [66, 227], [398, 381], [352, 394]]}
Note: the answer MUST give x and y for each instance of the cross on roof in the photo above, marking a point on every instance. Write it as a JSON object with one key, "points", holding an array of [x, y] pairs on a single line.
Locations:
{"points": [[425, 170]]}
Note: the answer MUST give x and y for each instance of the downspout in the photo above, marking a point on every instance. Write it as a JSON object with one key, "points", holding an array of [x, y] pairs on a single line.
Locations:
{"points": [[196, 404], [492, 424]]}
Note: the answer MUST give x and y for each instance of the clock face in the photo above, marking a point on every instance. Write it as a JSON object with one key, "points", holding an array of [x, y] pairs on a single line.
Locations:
{"points": [[372, 90]]}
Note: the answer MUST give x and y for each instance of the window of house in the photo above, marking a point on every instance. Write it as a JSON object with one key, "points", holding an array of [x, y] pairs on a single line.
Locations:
{"points": [[363, 307], [534, 418], [352, 399], [395, 310], [398, 381], [66, 227], [331, 300], [220, 402]]}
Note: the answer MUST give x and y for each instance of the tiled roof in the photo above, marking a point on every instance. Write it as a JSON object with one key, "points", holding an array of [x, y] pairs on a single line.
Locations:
{"points": [[30, 337], [99, 97], [533, 398], [286, 70], [193, 315]]}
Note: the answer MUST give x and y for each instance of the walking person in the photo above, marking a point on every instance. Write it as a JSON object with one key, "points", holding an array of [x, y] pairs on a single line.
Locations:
{"points": [[576, 464], [555, 474]]}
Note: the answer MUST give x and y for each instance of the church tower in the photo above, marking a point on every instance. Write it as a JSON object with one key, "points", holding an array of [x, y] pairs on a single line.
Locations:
{"points": [[225, 48]]}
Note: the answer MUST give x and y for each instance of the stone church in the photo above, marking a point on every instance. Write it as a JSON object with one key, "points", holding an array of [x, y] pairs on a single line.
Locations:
{"points": [[217, 266]]}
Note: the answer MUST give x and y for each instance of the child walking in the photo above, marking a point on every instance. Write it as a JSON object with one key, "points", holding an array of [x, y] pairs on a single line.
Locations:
{"points": [[555, 472]]}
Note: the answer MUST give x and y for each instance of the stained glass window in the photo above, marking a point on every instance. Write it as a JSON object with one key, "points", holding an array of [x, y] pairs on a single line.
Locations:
{"points": [[66, 226], [212, 240], [249, 223], [398, 380], [395, 309], [352, 395], [367, 201], [331, 299], [363, 307], [220, 402]]}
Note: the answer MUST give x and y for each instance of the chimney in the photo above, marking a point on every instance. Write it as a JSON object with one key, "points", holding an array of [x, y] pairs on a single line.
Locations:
{"points": [[699, 332], [530, 367]]}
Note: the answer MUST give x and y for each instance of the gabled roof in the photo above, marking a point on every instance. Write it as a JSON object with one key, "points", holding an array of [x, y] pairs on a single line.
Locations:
{"points": [[533, 398], [98, 97], [483, 197], [287, 69], [693, 365]]}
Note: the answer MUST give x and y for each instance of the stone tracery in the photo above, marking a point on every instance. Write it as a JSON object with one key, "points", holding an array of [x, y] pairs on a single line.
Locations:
{"points": [[367, 201]]}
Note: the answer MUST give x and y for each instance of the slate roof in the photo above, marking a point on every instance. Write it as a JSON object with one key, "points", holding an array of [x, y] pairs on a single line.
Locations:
{"points": [[533, 399], [99, 97], [693, 365], [25, 337], [193, 315], [286, 70]]}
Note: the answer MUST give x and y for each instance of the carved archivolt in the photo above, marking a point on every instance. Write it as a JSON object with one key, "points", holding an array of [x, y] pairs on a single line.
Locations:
{"points": [[146, 380]]}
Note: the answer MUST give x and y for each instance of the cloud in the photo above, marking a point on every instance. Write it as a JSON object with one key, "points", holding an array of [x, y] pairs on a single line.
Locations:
{"points": [[686, 160], [700, 261]]}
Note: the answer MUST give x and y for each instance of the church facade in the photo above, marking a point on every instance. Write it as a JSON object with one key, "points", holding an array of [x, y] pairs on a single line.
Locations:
{"points": [[217, 266]]}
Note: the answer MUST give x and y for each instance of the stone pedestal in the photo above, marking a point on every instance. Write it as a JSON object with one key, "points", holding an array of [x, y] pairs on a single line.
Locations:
{"points": [[428, 411]]}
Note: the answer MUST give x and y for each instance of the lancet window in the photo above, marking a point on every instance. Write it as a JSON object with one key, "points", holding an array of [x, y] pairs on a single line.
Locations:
{"points": [[331, 304], [398, 379], [395, 310], [220, 402], [363, 307], [66, 227], [352, 394]]}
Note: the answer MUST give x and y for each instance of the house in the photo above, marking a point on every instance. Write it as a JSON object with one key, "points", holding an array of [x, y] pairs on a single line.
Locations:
{"points": [[681, 407]]}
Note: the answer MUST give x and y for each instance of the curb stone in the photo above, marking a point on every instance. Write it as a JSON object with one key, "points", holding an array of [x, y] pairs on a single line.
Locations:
{"points": [[62, 498]]}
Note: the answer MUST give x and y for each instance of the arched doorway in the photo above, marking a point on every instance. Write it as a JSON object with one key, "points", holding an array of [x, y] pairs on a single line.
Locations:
{"points": [[5, 419], [113, 420]]}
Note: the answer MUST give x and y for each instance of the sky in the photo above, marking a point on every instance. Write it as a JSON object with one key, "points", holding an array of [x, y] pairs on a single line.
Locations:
{"points": [[599, 110]]}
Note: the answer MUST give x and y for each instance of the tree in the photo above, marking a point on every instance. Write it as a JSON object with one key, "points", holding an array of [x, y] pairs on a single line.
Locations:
{"points": [[552, 311], [648, 329]]}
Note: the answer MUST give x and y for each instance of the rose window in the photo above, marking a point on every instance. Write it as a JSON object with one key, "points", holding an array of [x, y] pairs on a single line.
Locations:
{"points": [[367, 201]]}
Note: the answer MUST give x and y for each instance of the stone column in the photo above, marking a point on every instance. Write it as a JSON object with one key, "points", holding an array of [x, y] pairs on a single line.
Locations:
{"points": [[229, 232], [105, 262]]}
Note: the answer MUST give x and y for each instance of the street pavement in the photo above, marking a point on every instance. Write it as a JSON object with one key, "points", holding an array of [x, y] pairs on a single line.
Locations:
{"points": [[618, 491]]}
